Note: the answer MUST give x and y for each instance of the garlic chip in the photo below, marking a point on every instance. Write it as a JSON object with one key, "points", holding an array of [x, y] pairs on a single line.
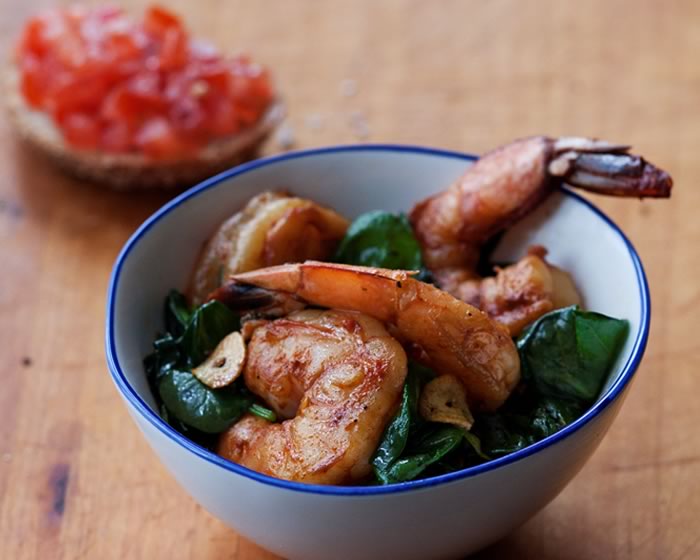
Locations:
{"points": [[225, 363], [444, 399]]}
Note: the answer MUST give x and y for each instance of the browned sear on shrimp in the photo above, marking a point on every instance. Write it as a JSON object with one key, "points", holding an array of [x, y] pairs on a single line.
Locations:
{"points": [[273, 228], [454, 337], [499, 189], [520, 293], [336, 377]]}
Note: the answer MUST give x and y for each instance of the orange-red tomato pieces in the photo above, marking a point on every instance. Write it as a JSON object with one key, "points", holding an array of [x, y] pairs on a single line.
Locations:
{"points": [[146, 87]]}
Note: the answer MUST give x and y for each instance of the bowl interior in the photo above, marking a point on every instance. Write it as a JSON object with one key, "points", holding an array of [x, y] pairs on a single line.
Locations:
{"points": [[353, 180]]}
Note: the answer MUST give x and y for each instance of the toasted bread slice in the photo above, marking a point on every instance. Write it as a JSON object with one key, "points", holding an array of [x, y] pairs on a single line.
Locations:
{"points": [[135, 171]]}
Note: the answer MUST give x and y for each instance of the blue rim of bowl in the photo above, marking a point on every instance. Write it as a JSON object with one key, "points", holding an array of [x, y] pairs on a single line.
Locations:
{"points": [[157, 422]]}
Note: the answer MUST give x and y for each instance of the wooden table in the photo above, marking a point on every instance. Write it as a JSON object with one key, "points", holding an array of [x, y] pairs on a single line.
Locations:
{"points": [[77, 480]]}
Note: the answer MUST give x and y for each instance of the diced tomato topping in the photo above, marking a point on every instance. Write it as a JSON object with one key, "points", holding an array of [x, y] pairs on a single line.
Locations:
{"points": [[173, 51], [73, 92], [224, 121], [32, 81], [216, 75], [188, 118], [114, 85], [159, 21], [116, 137], [32, 40], [158, 139], [81, 130], [120, 47]]}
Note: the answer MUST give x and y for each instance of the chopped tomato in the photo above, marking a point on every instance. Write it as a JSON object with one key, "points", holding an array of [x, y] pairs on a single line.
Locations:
{"points": [[119, 86], [116, 137], [159, 21], [81, 130], [147, 86], [173, 52], [120, 47], [74, 93], [188, 117], [32, 81], [216, 75], [70, 52], [132, 102], [158, 139], [32, 40], [224, 121]]}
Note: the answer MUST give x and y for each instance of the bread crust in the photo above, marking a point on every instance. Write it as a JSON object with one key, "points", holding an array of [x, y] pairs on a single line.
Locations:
{"points": [[135, 171]]}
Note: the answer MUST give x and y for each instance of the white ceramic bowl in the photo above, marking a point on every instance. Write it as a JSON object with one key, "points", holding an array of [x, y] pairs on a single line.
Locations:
{"points": [[441, 517]]}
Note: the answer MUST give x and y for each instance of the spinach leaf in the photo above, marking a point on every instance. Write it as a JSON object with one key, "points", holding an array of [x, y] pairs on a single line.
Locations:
{"points": [[524, 420], [565, 356], [208, 410], [567, 353], [188, 405], [474, 447], [410, 444], [499, 435], [422, 373], [468, 454], [405, 421], [550, 416], [395, 436], [207, 326], [168, 352], [380, 239], [177, 313], [205, 440], [432, 444]]}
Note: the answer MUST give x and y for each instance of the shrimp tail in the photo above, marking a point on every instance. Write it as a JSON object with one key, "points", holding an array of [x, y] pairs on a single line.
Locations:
{"points": [[242, 296], [502, 187], [608, 169], [255, 300]]}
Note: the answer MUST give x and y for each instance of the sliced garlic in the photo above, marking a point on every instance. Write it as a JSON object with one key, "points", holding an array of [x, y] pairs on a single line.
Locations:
{"points": [[444, 399], [225, 363]]}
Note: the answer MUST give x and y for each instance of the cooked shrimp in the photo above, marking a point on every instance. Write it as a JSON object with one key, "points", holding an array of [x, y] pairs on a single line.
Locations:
{"points": [[502, 187], [455, 337], [337, 377], [273, 228], [520, 293]]}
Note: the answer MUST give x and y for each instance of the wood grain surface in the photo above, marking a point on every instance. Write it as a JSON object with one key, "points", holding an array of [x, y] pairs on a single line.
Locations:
{"points": [[77, 480]]}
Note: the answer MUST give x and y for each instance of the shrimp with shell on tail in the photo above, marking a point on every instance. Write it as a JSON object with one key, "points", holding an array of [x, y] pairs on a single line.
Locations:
{"points": [[452, 336], [502, 187]]}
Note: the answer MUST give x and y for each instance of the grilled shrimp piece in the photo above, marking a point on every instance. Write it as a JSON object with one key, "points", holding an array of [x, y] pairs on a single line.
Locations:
{"points": [[520, 293], [337, 377], [455, 337], [273, 228], [502, 187]]}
